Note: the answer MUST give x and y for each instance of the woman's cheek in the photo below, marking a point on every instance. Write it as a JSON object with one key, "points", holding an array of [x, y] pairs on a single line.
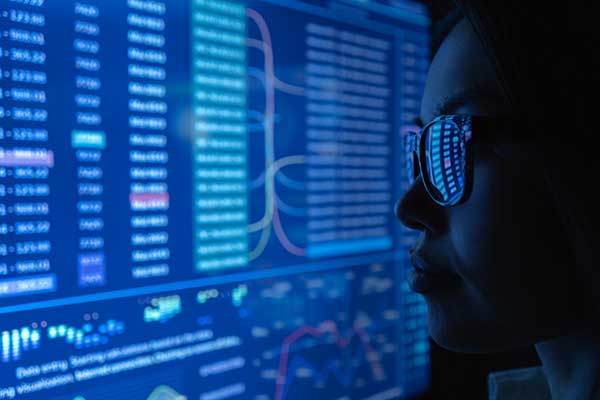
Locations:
{"points": [[474, 225]]}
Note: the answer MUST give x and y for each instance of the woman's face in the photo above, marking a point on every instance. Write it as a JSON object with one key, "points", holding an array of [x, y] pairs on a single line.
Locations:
{"points": [[497, 269]]}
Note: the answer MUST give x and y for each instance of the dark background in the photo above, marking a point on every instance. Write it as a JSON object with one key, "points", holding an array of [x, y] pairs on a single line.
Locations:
{"points": [[464, 376]]}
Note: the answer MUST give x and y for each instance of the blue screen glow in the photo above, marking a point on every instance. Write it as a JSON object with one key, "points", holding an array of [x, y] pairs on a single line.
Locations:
{"points": [[196, 199]]}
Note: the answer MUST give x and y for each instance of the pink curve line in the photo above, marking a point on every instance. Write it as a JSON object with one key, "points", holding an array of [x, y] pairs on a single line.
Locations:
{"points": [[279, 84], [340, 341], [270, 122], [269, 61], [282, 236]]}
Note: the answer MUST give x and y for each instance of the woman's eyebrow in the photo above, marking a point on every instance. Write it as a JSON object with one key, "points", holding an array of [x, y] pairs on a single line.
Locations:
{"points": [[449, 105]]}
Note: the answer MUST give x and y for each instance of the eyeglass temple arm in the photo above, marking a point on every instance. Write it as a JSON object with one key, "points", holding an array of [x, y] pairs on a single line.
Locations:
{"points": [[494, 128], [412, 141]]}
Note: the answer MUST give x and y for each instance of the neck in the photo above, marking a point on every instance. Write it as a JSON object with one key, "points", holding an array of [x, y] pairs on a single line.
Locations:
{"points": [[572, 365]]}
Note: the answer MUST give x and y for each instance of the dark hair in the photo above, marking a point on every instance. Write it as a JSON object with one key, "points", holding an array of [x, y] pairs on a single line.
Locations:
{"points": [[443, 21], [542, 55]]}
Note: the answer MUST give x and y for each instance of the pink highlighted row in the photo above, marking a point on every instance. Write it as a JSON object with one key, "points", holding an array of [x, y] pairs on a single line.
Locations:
{"points": [[26, 158]]}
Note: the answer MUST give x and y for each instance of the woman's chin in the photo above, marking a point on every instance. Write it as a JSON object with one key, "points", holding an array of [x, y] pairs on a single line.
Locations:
{"points": [[469, 340], [464, 332]]}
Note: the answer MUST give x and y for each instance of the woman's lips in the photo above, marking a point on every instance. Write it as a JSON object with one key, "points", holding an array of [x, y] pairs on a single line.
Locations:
{"points": [[423, 280]]}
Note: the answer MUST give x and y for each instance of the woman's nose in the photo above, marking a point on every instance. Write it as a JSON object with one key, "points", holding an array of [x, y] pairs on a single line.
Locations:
{"points": [[416, 210]]}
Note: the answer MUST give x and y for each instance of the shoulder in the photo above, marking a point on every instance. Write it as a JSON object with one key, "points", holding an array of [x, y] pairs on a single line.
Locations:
{"points": [[519, 384]]}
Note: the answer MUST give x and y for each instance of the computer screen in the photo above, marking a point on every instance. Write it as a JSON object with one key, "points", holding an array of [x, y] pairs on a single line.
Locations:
{"points": [[196, 199]]}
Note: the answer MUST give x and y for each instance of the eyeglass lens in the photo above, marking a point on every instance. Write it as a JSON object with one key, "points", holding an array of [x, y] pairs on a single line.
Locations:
{"points": [[443, 161]]}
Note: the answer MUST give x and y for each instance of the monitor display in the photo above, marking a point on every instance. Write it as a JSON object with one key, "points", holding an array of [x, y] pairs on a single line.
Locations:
{"points": [[196, 199]]}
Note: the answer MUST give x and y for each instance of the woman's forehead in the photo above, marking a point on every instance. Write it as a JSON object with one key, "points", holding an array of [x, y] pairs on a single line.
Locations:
{"points": [[459, 71]]}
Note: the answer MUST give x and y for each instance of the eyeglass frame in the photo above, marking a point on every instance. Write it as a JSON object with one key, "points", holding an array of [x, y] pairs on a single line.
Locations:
{"points": [[486, 128]]}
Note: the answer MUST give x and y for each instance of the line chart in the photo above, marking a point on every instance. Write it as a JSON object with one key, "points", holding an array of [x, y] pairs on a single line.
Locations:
{"points": [[343, 374], [327, 327], [327, 335]]}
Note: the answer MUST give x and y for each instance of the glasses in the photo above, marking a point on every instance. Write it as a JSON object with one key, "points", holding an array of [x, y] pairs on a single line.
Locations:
{"points": [[441, 153]]}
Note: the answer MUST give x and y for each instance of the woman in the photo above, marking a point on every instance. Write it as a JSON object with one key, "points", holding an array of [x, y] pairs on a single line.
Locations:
{"points": [[504, 173]]}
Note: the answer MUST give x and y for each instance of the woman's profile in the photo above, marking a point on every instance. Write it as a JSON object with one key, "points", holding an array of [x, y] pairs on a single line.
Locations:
{"points": [[503, 192]]}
